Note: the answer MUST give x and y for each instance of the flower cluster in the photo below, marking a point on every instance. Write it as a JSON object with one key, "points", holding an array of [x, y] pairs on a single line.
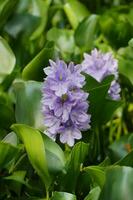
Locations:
{"points": [[100, 65], [64, 103]]}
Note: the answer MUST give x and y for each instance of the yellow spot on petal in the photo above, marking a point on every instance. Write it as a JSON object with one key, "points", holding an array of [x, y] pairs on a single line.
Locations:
{"points": [[60, 77]]}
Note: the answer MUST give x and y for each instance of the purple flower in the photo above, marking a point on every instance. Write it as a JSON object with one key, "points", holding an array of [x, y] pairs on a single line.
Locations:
{"points": [[51, 121], [99, 65], [114, 90], [69, 133], [76, 78], [58, 78], [64, 103]]}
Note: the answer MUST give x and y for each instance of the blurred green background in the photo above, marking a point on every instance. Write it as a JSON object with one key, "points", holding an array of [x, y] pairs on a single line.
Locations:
{"points": [[31, 33]]}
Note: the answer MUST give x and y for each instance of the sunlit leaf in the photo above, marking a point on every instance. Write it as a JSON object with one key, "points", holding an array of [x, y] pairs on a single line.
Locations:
{"points": [[97, 175], [75, 12], [6, 65], [63, 196], [42, 7], [11, 138], [93, 194], [62, 36], [35, 148]]}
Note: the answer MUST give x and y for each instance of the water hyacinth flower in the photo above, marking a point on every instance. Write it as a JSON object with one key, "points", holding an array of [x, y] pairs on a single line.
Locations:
{"points": [[64, 103], [99, 65]]}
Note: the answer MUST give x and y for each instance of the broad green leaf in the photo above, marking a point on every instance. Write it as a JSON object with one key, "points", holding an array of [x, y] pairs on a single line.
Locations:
{"points": [[126, 161], [62, 36], [126, 68], [11, 138], [77, 158], [109, 108], [101, 108], [116, 28], [35, 148], [34, 69], [75, 12], [93, 194], [118, 184], [7, 82], [125, 57], [7, 153], [6, 9], [6, 65], [54, 154], [97, 175], [40, 9], [86, 32], [91, 83], [21, 23], [63, 196], [28, 103]]}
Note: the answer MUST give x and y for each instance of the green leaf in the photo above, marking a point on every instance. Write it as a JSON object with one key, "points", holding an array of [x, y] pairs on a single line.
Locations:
{"points": [[17, 176], [91, 83], [16, 180], [126, 161], [117, 28], [106, 162], [85, 33], [55, 155], [93, 194], [35, 148], [97, 175], [101, 108], [7, 116], [77, 158], [6, 65], [28, 103], [7, 153], [120, 148], [130, 43], [62, 36], [63, 196], [43, 8], [24, 24], [118, 184], [125, 63], [6, 8], [34, 69], [11, 138], [75, 12], [108, 109]]}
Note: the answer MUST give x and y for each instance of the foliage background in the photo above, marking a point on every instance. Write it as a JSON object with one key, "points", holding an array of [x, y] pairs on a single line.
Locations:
{"points": [[31, 165]]}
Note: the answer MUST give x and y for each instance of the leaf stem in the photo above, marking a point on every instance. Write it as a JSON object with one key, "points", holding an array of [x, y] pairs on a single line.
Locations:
{"points": [[47, 194]]}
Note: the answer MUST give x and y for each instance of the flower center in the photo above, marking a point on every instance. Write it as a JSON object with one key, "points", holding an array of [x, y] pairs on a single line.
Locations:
{"points": [[60, 77], [64, 97]]}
